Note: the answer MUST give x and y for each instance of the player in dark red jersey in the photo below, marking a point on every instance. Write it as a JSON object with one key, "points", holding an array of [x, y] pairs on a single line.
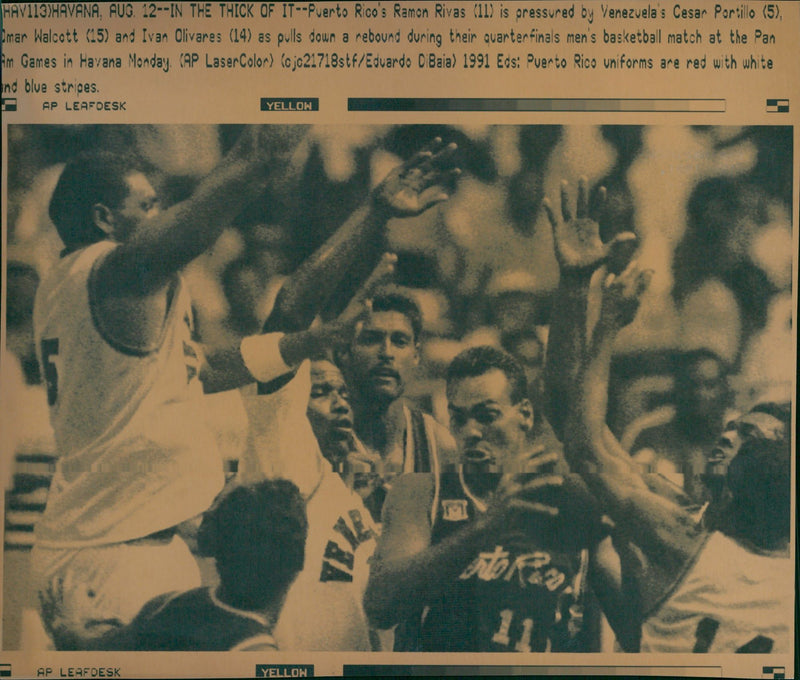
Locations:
{"points": [[481, 549]]}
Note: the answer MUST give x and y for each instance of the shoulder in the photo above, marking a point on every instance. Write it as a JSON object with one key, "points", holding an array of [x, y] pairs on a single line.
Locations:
{"points": [[72, 269], [409, 500]]}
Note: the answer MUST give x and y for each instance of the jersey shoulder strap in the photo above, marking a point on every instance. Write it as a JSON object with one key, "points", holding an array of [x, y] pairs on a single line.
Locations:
{"points": [[421, 437]]}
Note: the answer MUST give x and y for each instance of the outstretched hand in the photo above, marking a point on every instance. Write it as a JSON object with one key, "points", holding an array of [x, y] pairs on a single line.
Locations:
{"points": [[422, 181], [577, 240], [523, 492]]}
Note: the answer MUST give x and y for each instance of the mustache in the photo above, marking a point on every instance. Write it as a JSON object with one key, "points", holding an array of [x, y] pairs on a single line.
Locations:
{"points": [[385, 370]]}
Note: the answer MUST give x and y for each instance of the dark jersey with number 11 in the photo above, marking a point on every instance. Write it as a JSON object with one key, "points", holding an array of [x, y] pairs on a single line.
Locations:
{"points": [[519, 592]]}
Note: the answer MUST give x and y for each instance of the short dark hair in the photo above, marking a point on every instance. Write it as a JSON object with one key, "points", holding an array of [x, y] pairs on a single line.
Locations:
{"points": [[779, 410], [396, 299], [476, 361], [759, 479], [257, 534], [87, 179]]}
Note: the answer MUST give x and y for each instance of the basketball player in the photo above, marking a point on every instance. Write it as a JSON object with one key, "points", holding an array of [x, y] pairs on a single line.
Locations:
{"points": [[262, 525], [699, 589], [476, 559], [113, 329], [308, 412], [378, 365]]}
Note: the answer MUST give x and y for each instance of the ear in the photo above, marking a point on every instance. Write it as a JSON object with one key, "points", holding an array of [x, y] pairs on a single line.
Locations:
{"points": [[525, 409], [103, 218], [341, 356]]}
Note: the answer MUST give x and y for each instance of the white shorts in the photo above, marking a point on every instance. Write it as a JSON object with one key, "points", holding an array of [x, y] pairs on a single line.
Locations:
{"points": [[85, 593]]}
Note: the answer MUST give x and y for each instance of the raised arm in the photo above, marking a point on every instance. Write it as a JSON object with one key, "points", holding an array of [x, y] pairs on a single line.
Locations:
{"points": [[269, 356], [664, 531], [353, 249], [579, 252], [144, 263]]}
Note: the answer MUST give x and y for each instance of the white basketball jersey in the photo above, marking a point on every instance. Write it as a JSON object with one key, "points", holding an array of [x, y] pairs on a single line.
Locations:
{"points": [[731, 600], [323, 609], [135, 453]]}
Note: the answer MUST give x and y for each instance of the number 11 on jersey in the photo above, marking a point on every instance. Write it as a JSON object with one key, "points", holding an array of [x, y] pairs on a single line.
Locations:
{"points": [[501, 637]]}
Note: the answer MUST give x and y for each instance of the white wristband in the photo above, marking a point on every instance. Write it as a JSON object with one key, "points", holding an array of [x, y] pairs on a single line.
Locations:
{"points": [[262, 356]]}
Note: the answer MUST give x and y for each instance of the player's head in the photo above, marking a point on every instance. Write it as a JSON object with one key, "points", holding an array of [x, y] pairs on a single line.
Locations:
{"points": [[701, 382], [490, 413], [101, 195], [385, 350], [257, 535], [767, 420], [329, 410], [760, 485]]}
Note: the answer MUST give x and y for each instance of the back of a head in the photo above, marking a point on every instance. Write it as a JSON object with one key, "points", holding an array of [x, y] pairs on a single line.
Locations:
{"points": [[781, 411], [476, 361], [86, 180], [392, 298], [257, 535], [759, 480]]}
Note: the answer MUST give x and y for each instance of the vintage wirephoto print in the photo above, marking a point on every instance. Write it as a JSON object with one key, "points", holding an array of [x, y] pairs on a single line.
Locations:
{"points": [[400, 338], [577, 339]]}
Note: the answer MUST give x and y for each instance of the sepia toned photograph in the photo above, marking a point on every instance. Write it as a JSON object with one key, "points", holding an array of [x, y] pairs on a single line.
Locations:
{"points": [[399, 388]]}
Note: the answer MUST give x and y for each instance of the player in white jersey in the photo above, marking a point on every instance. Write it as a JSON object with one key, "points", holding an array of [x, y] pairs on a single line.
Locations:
{"points": [[112, 324], [342, 535], [724, 585], [113, 329]]}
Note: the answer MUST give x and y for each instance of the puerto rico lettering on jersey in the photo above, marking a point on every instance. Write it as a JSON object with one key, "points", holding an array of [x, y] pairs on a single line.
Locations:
{"points": [[528, 569]]}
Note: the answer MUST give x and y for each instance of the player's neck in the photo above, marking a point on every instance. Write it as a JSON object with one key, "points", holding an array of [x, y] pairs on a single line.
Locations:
{"points": [[379, 423]]}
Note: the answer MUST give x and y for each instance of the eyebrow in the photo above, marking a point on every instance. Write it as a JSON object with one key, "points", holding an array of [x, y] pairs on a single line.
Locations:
{"points": [[485, 404]]}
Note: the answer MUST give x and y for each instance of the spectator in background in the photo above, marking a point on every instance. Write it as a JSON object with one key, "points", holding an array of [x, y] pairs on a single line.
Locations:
{"points": [[675, 440]]}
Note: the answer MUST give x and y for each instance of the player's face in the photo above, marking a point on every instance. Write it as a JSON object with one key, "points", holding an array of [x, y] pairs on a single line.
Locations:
{"points": [[383, 355], [489, 429], [329, 410], [138, 207], [753, 425]]}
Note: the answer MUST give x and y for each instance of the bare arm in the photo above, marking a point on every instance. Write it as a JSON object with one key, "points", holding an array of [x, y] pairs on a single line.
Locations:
{"points": [[226, 368], [354, 248], [664, 531], [579, 252], [145, 263]]}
